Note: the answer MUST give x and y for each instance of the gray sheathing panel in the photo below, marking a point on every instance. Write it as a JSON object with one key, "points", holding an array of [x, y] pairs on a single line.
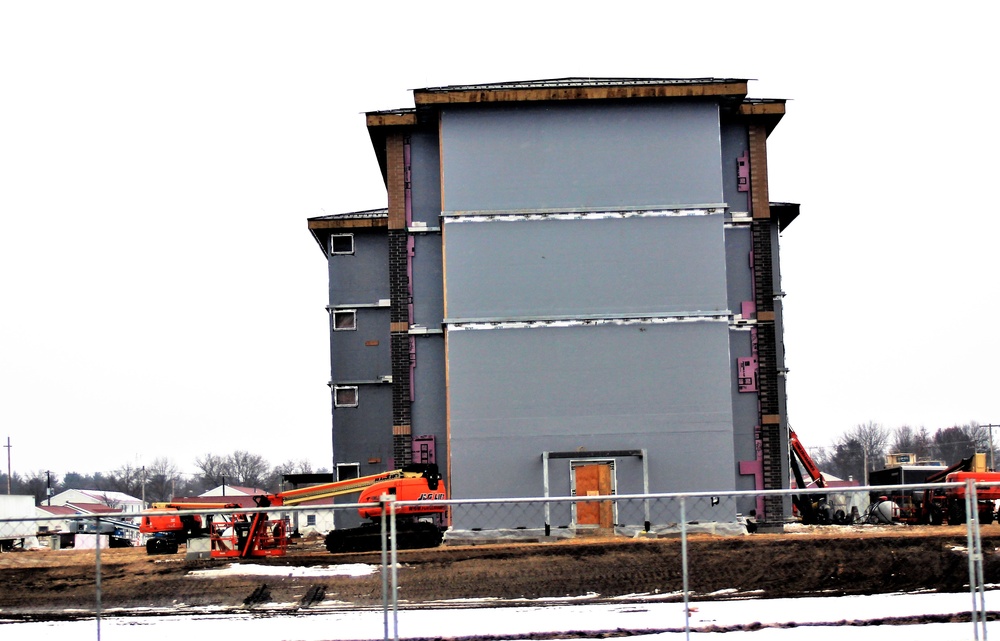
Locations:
{"points": [[581, 156], [739, 275], [735, 141], [745, 417], [571, 267], [365, 431], [428, 283], [361, 433], [425, 178], [362, 354], [428, 411], [361, 277], [514, 393]]}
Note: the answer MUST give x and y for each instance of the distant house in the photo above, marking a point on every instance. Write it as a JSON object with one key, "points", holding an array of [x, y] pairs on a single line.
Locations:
{"points": [[92, 503], [96, 501], [58, 514], [234, 490]]}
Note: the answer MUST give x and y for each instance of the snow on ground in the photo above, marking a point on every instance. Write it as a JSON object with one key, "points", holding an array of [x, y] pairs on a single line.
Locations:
{"points": [[821, 618]]}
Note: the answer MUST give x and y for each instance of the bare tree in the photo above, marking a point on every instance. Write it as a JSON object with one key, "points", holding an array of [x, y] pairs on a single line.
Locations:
{"points": [[904, 439], [952, 444], [859, 450], [127, 478], [301, 466], [212, 469], [161, 477], [33, 483], [923, 445], [873, 438], [248, 469]]}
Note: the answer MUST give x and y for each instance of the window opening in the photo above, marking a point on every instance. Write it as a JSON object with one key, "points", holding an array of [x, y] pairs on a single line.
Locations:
{"points": [[347, 471], [345, 396], [345, 321], [342, 244]]}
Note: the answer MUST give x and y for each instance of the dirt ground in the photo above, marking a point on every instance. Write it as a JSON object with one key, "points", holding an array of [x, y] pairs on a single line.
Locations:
{"points": [[829, 560]]}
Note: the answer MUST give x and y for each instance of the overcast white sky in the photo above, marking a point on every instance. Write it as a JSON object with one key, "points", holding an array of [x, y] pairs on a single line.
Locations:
{"points": [[161, 296]]}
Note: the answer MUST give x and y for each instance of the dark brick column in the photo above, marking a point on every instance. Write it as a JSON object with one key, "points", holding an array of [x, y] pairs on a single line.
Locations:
{"points": [[773, 453], [399, 295]]}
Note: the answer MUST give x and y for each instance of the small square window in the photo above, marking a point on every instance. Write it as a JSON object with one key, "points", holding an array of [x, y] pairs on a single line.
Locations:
{"points": [[346, 471], [345, 396], [311, 520], [342, 244], [345, 320]]}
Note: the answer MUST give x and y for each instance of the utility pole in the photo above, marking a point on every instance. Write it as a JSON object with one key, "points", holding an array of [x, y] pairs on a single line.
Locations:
{"points": [[990, 426], [8, 464], [48, 488]]}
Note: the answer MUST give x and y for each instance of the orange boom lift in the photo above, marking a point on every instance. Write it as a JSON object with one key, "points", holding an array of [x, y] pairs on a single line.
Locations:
{"points": [[255, 534]]}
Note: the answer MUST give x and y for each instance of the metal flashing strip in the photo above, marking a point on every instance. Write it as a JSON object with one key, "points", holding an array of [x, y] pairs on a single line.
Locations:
{"points": [[697, 317], [381, 380], [382, 303], [580, 214], [419, 330], [738, 219]]}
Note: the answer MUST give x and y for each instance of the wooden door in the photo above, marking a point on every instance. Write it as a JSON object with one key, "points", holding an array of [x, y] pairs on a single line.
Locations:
{"points": [[593, 480]]}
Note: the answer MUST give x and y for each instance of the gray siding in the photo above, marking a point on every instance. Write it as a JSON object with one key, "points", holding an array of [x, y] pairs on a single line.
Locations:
{"points": [[429, 410], [425, 178], [519, 392], [428, 281], [361, 277], [734, 142], [359, 433], [745, 417], [351, 358], [555, 267], [739, 275], [581, 156]]}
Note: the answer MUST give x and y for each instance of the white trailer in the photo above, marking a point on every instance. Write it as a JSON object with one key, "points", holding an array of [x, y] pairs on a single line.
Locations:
{"points": [[16, 506]]}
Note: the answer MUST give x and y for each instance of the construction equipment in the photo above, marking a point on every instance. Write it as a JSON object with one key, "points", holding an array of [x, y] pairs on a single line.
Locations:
{"points": [[255, 535], [167, 529], [948, 504], [813, 508], [938, 506]]}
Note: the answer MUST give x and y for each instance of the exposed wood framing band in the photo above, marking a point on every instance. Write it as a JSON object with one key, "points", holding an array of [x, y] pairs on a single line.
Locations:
{"points": [[348, 223], [581, 93], [391, 120], [395, 181], [762, 109], [758, 172]]}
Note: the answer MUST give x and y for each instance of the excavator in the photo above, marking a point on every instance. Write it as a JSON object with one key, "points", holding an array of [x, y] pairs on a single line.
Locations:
{"points": [[254, 534]]}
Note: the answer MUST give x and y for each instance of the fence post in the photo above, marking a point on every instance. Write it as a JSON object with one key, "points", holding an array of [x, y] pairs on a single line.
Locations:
{"points": [[97, 577], [684, 570], [395, 565], [974, 546], [385, 570]]}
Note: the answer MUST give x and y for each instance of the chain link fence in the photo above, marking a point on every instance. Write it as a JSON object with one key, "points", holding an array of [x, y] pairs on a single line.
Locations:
{"points": [[676, 548]]}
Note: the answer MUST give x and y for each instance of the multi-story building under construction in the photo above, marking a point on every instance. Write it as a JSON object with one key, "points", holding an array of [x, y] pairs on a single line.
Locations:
{"points": [[574, 289]]}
